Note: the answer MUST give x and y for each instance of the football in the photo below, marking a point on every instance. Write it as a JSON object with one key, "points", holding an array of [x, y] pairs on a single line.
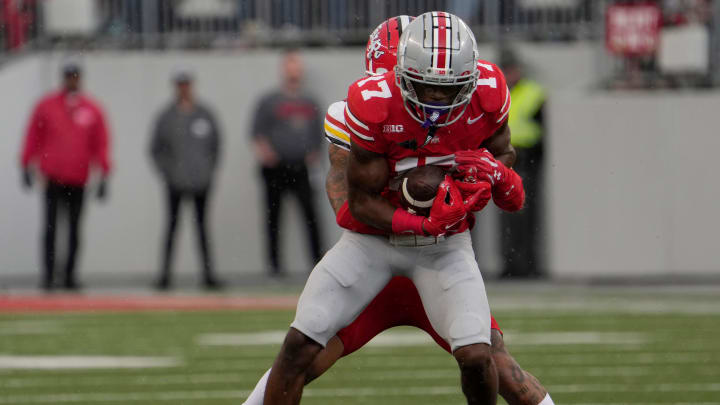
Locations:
{"points": [[418, 188]]}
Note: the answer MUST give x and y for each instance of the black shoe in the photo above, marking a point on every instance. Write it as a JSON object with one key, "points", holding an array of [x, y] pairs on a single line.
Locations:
{"points": [[276, 272], [213, 284], [162, 284], [47, 285], [72, 285]]}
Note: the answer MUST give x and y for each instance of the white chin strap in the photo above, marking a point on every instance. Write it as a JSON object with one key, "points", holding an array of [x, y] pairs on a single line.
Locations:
{"points": [[415, 203]]}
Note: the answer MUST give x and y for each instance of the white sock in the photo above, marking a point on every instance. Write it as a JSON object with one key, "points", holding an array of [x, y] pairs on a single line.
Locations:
{"points": [[257, 395], [547, 400]]}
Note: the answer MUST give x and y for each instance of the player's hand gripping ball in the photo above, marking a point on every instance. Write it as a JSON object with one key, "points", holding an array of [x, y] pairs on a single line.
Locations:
{"points": [[476, 192], [448, 210], [418, 188]]}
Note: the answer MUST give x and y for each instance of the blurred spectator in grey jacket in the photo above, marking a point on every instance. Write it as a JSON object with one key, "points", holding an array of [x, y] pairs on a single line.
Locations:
{"points": [[286, 137], [185, 150]]}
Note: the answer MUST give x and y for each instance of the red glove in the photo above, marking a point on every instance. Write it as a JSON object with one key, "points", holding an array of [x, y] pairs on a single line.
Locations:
{"points": [[510, 195], [476, 195], [448, 209], [507, 188], [480, 164]]}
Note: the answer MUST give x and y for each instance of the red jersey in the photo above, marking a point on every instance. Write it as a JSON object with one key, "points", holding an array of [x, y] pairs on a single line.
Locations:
{"points": [[65, 135], [378, 121], [375, 119]]}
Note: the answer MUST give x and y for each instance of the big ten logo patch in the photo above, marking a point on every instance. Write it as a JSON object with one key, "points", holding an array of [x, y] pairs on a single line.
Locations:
{"points": [[393, 128]]}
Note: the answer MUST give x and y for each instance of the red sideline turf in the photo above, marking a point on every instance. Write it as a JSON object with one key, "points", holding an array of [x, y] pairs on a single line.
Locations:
{"points": [[84, 303]]}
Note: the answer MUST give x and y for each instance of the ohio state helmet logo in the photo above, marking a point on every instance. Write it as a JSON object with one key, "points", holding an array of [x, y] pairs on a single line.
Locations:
{"points": [[374, 50]]}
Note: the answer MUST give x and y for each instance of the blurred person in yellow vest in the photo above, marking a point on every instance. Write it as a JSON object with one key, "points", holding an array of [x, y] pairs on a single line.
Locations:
{"points": [[522, 231]]}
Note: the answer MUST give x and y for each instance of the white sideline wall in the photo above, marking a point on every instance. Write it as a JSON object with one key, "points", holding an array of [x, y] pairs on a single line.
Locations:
{"points": [[630, 192]]}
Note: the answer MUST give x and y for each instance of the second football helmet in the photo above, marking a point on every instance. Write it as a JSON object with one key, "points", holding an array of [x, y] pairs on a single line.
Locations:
{"points": [[381, 50]]}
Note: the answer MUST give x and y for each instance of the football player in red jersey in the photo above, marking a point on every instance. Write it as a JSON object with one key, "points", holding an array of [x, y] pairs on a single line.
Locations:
{"points": [[516, 386], [473, 165]]}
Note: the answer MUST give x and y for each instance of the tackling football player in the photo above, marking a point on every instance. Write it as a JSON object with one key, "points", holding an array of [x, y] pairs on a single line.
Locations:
{"points": [[516, 386], [428, 104]]}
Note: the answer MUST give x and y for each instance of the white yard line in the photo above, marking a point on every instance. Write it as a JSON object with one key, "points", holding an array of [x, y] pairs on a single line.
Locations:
{"points": [[30, 327], [643, 403], [420, 338], [569, 338], [148, 379], [343, 392], [599, 304], [122, 397], [270, 337], [635, 387], [580, 359], [364, 375], [84, 362]]}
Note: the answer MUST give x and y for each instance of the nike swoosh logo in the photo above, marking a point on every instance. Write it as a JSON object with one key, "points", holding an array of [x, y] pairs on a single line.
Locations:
{"points": [[471, 121], [447, 227]]}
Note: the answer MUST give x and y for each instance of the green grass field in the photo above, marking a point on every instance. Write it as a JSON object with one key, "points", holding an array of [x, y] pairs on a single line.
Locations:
{"points": [[586, 346]]}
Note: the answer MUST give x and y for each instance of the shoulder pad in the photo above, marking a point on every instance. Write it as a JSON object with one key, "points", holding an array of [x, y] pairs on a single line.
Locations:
{"points": [[336, 111], [368, 108], [491, 93]]}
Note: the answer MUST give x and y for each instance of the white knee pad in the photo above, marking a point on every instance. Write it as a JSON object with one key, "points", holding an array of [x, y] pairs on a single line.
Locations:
{"points": [[313, 323], [468, 329]]}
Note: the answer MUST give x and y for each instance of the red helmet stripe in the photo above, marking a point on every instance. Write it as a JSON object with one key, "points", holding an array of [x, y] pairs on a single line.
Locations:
{"points": [[441, 37], [443, 31]]}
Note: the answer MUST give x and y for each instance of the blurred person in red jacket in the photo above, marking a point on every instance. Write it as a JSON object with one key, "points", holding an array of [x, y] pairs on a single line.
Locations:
{"points": [[67, 133]]}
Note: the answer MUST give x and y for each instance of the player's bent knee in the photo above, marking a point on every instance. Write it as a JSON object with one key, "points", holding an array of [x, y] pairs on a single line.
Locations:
{"points": [[475, 356], [295, 340], [299, 349], [468, 329]]}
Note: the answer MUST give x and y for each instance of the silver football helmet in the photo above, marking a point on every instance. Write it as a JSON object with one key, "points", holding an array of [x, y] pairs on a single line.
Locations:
{"points": [[437, 49]]}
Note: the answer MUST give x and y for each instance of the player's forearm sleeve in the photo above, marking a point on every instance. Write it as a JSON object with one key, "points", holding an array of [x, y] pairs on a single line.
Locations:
{"points": [[346, 220], [510, 194]]}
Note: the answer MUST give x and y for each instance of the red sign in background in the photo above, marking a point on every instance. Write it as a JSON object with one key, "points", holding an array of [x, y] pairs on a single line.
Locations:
{"points": [[633, 28]]}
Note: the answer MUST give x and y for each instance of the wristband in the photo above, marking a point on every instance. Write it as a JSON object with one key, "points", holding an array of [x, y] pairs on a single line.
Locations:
{"points": [[405, 222]]}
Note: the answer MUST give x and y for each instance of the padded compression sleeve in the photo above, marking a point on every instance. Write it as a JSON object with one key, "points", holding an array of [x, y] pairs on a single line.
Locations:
{"points": [[345, 219]]}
